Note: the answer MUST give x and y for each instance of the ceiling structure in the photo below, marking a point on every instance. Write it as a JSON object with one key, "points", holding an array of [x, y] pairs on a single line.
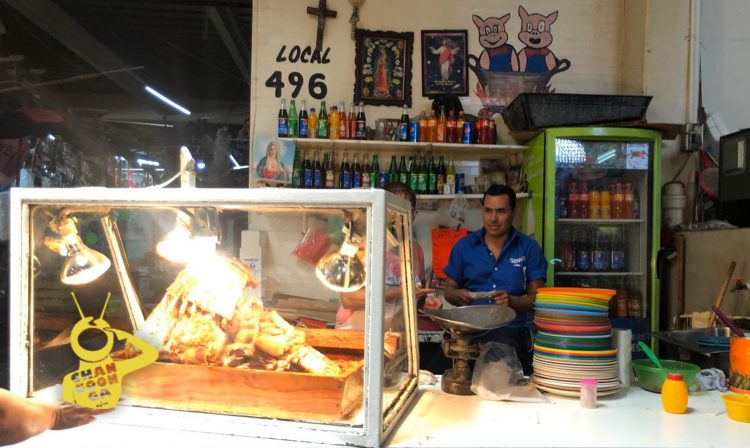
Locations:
{"points": [[92, 59]]}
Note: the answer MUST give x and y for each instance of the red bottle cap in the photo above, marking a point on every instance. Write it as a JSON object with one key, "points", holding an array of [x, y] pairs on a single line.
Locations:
{"points": [[675, 376]]}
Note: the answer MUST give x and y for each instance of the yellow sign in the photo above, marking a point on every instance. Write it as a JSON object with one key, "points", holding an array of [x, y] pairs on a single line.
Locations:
{"points": [[98, 381]]}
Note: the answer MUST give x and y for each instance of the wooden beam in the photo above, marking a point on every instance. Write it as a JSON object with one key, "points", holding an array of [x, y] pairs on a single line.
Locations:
{"points": [[230, 34], [58, 24]]}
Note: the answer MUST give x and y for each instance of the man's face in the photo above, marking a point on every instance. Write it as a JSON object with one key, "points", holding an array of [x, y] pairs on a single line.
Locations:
{"points": [[497, 215]]}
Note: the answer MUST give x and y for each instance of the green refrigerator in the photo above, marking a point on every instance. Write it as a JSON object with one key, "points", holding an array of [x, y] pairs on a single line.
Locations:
{"points": [[595, 203]]}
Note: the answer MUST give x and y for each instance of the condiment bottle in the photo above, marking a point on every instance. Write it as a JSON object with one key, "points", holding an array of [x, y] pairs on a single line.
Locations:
{"points": [[588, 393], [674, 394]]}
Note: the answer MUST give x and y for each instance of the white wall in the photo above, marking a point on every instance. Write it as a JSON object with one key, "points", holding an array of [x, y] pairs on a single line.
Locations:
{"points": [[725, 42], [587, 32]]}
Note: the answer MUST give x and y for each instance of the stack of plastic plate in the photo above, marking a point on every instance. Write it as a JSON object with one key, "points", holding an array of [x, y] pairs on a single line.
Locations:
{"points": [[574, 341]]}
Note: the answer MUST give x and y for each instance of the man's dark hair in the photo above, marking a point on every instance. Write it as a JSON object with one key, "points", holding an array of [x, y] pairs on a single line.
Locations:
{"points": [[400, 187], [500, 190]]}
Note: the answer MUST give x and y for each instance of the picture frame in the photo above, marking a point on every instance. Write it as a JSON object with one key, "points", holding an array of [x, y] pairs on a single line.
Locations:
{"points": [[386, 129], [444, 66], [383, 63], [273, 161]]}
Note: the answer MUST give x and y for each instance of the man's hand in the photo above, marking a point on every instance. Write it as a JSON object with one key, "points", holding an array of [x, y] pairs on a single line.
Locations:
{"points": [[463, 297], [421, 293], [70, 416], [501, 298], [432, 303]]}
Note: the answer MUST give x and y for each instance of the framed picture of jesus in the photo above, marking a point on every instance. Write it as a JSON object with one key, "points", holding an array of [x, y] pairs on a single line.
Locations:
{"points": [[444, 63], [383, 68]]}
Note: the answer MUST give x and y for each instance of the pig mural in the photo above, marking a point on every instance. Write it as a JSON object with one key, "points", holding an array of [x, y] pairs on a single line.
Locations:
{"points": [[502, 73], [536, 34]]}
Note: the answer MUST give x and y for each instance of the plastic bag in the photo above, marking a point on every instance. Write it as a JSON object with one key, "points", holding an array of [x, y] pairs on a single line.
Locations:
{"points": [[498, 375], [459, 207], [313, 245]]}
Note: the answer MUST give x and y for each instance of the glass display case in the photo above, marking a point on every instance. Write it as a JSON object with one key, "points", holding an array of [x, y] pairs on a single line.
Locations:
{"points": [[264, 312]]}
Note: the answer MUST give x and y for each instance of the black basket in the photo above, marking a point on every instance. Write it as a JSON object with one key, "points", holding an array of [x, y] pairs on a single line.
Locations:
{"points": [[543, 110]]}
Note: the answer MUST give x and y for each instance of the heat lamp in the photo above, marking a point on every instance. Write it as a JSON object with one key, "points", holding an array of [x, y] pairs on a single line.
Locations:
{"points": [[342, 270], [82, 264]]}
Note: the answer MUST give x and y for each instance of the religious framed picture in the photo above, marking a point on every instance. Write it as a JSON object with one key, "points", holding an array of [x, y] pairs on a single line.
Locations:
{"points": [[273, 161], [444, 63], [383, 68]]}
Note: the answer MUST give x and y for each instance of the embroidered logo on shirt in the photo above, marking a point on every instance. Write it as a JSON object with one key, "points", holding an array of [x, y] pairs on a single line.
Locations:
{"points": [[517, 262]]}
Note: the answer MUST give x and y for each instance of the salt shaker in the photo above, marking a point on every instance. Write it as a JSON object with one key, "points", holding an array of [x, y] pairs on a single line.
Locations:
{"points": [[588, 393]]}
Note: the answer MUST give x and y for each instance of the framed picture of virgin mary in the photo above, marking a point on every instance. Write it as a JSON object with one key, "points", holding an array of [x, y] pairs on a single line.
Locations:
{"points": [[383, 68]]}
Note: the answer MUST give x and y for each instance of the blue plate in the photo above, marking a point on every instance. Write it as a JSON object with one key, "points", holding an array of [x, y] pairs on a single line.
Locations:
{"points": [[565, 306], [714, 341], [588, 312]]}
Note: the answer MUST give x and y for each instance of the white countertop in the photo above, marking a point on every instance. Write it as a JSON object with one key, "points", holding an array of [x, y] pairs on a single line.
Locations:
{"points": [[633, 418]]}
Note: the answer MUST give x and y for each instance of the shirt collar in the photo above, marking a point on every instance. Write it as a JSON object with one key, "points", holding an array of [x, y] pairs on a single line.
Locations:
{"points": [[479, 236]]}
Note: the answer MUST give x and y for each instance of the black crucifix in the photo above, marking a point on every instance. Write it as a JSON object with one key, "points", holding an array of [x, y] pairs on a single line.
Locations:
{"points": [[323, 13]]}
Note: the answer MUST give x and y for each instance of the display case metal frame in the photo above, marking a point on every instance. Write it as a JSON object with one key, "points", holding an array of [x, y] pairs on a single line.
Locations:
{"points": [[378, 422]]}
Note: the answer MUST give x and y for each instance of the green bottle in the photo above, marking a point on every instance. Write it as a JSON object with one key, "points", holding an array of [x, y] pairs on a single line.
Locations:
{"points": [[413, 174], [441, 173], [374, 172], [393, 170], [422, 176], [403, 173], [293, 121], [297, 171], [431, 177], [323, 121]]}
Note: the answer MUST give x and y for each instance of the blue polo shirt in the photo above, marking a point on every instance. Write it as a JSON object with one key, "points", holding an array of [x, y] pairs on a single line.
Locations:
{"points": [[472, 265]]}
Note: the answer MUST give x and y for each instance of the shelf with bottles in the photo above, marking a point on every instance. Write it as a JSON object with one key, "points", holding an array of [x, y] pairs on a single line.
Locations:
{"points": [[473, 151], [598, 221], [467, 196], [599, 274]]}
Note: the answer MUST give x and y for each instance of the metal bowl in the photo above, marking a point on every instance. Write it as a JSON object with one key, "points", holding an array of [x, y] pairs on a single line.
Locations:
{"points": [[472, 319]]}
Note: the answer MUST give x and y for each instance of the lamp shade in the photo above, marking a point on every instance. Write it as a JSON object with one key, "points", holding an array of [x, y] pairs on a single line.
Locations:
{"points": [[82, 264], [341, 271]]}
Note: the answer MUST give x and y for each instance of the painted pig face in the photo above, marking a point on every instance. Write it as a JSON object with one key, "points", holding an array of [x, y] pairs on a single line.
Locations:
{"points": [[491, 31], [536, 29]]}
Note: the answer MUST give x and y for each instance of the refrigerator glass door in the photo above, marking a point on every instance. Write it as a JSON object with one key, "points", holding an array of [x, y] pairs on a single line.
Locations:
{"points": [[601, 231]]}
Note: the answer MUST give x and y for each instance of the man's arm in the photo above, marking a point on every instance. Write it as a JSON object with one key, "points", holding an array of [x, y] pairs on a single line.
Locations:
{"points": [[455, 295], [22, 418], [525, 302]]}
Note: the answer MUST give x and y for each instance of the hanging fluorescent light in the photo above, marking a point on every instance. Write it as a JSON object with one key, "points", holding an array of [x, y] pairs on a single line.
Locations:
{"points": [[166, 100]]}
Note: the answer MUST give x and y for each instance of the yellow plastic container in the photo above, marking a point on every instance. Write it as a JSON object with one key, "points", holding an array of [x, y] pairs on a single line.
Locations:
{"points": [[674, 394], [738, 407]]}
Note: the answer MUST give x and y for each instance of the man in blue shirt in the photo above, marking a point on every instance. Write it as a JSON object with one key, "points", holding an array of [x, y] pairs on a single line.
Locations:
{"points": [[501, 260]]}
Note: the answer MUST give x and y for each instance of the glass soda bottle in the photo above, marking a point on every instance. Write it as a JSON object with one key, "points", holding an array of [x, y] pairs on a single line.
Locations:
{"points": [[601, 256], [312, 124], [412, 174], [617, 202], [374, 172], [583, 252], [627, 203], [431, 127], [573, 208], [617, 251], [352, 134], [356, 173], [323, 121], [450, 176], [403, 172], [361, 123], [293, 120], [329, 175], [343, 122], [345, 173], [393, 175], [584, 200], [567, 253], [283, 120], [333, 123], [595, 204], [303, 122], [317, 172], [403, 126], [423, 129], [604, 204], [450, 129], [441, 125], [441, 173], [297, 174], [366, 173], [307, 170]]}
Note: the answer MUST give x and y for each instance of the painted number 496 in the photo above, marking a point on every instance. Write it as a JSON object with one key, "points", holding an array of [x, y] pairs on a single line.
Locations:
{"points": [[316, 85]]}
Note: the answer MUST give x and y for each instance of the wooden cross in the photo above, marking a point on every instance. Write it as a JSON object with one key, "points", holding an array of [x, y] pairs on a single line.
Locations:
{"points": [[322, 14]]}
